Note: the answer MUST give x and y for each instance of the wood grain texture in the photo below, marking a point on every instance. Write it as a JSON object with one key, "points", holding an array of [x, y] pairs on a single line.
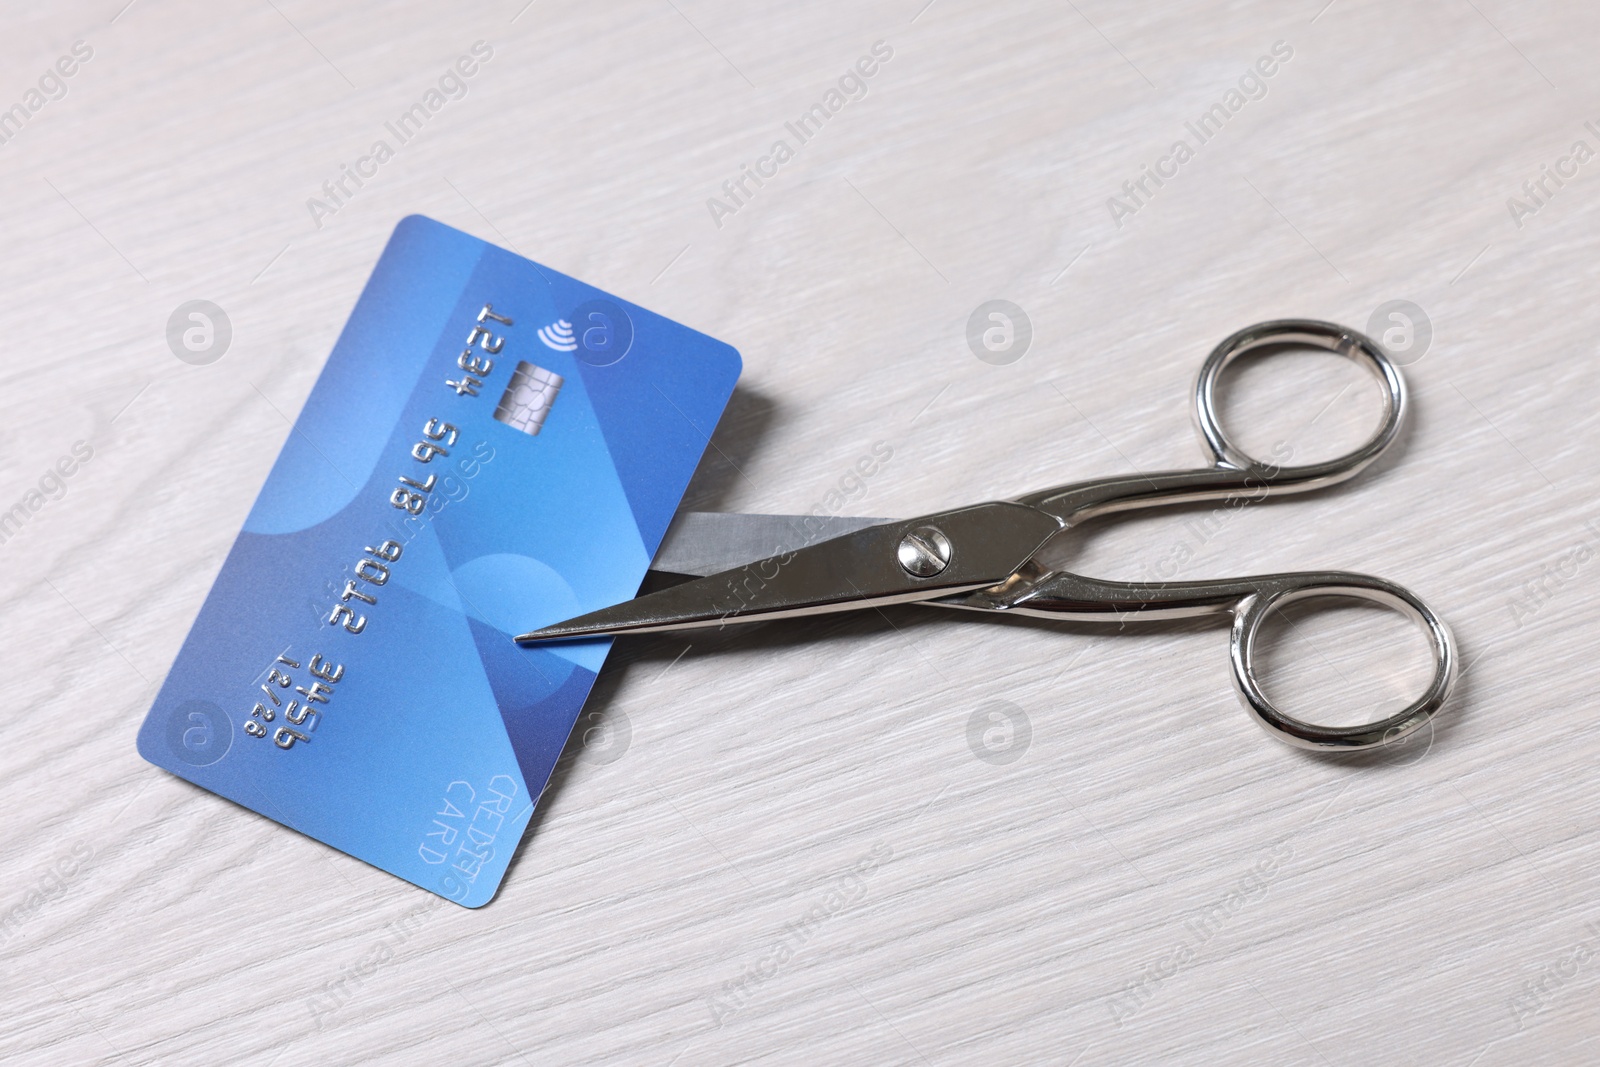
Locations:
{"points": [[798, 858]]}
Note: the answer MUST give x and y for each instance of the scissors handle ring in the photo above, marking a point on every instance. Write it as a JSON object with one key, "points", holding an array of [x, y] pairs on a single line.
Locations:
{"points": [[1254, 609], [1315, 334]]}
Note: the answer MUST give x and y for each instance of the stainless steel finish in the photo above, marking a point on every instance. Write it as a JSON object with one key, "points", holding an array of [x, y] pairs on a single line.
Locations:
{"points": [[705, 542], [924, 552], [881, 565], [857, 570], [1232, 471], [1063, 595]]}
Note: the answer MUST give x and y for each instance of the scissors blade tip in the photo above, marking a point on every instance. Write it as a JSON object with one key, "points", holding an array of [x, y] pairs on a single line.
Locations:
{"points": [[613, 621], [572, 628]]}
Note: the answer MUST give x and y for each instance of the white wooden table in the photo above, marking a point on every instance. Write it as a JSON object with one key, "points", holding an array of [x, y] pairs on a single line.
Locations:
{"points": [[790, 852]]}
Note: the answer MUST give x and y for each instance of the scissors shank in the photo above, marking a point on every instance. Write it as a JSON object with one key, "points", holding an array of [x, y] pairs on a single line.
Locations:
{"points": [[1081, 501], [1072, 597]]}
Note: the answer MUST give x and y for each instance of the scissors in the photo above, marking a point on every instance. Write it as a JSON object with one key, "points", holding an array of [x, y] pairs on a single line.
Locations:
{"points": [[985, 557]]}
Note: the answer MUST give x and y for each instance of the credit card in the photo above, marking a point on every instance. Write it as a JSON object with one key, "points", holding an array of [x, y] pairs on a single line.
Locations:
{"points": [[492, 446]]}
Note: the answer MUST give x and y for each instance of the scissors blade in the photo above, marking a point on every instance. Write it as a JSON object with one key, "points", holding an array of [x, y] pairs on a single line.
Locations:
{"points": [[985, 544], [704, 542]]}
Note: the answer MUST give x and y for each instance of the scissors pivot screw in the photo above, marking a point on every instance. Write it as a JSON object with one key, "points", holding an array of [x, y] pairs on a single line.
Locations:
{"points": [[924, 552]]}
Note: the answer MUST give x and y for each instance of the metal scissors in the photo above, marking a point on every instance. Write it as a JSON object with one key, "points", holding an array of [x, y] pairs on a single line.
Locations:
{"points": [[984, 557]]}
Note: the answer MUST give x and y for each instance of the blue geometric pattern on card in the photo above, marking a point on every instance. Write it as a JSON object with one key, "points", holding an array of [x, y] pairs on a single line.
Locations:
{"points": [[352, 672]]}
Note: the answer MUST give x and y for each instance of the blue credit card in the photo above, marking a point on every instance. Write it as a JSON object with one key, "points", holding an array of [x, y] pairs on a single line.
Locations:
{"points": [[492, 446]]}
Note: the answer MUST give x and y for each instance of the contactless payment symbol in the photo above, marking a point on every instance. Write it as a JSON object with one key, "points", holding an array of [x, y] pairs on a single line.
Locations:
{"points": [[526, 402], [604, 332], [198, 733], [558, 335]]}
